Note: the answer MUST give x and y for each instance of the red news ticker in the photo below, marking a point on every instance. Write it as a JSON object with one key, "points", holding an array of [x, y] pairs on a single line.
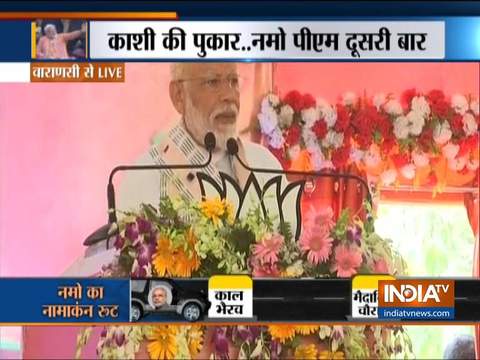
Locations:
{"points": [[416, 293]]}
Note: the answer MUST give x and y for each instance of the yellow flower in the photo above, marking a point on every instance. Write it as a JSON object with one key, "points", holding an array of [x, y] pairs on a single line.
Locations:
{"points": [[195, 339], [294, 270], [282, 332], [230, 213], [306, 329], [213, 209], [162, 342], [162, 260], [328, 355], [307, 352]]}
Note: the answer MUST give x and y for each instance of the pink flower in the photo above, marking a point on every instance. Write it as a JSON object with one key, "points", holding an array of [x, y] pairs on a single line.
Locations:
{"points": [[317, 242], [266, 251], [347, 260], [264, 270], [380, 267], [320, 217]]}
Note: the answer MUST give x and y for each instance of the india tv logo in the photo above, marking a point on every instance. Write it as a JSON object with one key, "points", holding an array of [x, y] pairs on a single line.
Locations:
{"points": [[426, 299]]}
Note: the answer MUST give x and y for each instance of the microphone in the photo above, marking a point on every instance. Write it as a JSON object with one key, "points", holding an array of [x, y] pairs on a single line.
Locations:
{"points": [[232, 149], [110, 229]]}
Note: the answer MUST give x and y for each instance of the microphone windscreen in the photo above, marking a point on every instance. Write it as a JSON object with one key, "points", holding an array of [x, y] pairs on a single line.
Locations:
{"points": [[209, 141], [232, 146]]}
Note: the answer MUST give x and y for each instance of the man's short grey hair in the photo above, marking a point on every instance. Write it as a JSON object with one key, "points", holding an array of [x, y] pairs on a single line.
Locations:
{"points": [[50, 26], [178, 70]]}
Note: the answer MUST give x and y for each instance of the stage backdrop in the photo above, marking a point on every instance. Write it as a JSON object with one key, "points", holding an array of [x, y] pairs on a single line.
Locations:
{"points": [[58, 143]]}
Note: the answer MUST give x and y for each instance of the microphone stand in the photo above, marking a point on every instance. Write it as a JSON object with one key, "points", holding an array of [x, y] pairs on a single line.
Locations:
{"points": [[110, 229]]}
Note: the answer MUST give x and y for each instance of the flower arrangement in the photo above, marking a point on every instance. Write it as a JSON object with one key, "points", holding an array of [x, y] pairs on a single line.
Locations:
{"points": [[183, 239], [420, 138]]}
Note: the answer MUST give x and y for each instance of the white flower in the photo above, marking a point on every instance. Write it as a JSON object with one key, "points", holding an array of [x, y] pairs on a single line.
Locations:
{"points": [[333, 139], [474, 106], [420, 105], [415, 122], [268, 121], [457, 164], [408, 171], [309, 138], [349, 98], [450, 150], [472, 164], [442, 133], [275, 139], [379, 100], [372, 157], [285, 117], [393, 107], [310, 116], [329, 114], [294, 151], [266, 107], [356, 155], [401, 127], [388, 177], [469, 124], [459, 104], [316, 156], [273, 99], [420, 159]]}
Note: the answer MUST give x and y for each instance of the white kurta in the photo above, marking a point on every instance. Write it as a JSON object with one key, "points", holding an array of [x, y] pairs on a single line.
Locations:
{"points": [[137, 187]]}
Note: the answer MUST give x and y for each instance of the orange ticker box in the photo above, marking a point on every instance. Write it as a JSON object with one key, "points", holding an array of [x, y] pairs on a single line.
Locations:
{"points": [[76, 72], [416, 293]]}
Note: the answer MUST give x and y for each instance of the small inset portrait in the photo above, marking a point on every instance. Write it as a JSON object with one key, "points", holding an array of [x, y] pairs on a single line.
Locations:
{"points": [[159, 296]]}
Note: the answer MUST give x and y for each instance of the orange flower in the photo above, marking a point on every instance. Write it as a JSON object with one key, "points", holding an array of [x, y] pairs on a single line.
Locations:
{"points": [[162, 260], [195, 339], [282, 333], [306, 329], [162, 342]]}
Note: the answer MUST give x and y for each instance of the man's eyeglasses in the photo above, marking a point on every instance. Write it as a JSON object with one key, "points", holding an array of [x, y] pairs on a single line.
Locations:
{"points": [[215, 83]]}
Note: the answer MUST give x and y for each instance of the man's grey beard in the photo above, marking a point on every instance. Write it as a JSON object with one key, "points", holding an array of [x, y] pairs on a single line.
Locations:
{"points": [[197, 124]]}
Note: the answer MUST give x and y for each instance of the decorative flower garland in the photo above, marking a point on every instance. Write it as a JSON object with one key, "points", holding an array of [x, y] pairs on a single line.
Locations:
{"points": [[424, 138], [183, 239]]}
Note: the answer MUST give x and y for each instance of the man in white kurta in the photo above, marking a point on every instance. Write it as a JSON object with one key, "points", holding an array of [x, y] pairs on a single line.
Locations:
{"points": [[207, 97]]}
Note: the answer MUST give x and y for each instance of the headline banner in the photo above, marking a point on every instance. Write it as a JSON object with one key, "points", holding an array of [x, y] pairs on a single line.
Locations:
{"points": [[288, 40]]}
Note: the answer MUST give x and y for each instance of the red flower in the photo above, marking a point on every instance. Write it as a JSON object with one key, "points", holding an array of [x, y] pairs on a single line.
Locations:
{"points": [[308, 101], [340, 156], [388, 144], [320, 128], [457, 124], [440, 108], [400, 160], [343, 119], [436, 95], [298, 102], [383, 125], [407, 97], [468, 145], [293, 135], [294, 99]]}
